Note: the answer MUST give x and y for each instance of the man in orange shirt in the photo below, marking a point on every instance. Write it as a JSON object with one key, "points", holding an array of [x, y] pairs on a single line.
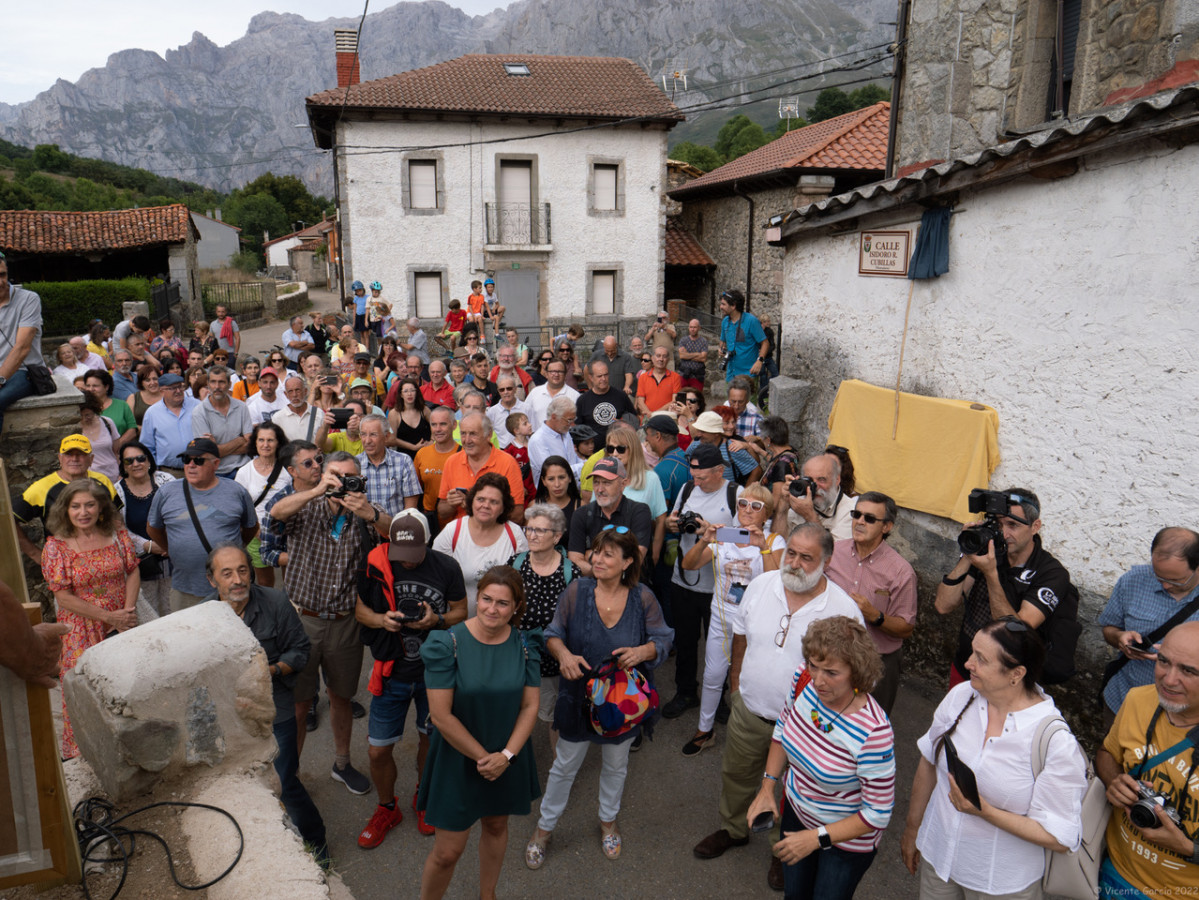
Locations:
{"points": [[657, 387], [430, 462], [463, 469]]}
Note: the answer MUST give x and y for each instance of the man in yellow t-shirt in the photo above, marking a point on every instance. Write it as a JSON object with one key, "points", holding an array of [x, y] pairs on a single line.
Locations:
{"points": [[1148, 746]]}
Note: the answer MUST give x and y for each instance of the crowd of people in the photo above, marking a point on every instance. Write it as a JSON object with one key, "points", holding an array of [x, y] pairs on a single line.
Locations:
{"points": [[500, 527]]}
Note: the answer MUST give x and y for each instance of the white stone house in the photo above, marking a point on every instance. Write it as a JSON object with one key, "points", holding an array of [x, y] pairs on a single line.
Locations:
{"points": [[542, 172], [1067, 306], [219, 241]]}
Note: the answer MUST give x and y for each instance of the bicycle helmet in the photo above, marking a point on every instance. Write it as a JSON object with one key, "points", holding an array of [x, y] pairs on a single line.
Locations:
{"points": [[488, 281], [357, 286], [376, 286]]}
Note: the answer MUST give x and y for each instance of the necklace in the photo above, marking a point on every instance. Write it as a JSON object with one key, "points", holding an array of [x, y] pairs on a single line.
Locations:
{"points": [[820, 726]]}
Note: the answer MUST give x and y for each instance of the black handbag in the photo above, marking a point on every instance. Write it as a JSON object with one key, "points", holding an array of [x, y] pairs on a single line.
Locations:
{"points": [[42, 380]]}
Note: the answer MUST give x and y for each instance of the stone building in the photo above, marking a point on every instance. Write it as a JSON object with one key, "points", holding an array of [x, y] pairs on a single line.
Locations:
{"points": [[725, 210], [1067, 305], [450, 173]]}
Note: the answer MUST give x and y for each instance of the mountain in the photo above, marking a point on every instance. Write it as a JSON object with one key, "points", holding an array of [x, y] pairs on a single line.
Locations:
{"points": [[223, 115]]}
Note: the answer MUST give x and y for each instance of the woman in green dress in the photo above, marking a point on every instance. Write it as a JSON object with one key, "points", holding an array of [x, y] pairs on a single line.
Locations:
{"points": [[483, 678]]}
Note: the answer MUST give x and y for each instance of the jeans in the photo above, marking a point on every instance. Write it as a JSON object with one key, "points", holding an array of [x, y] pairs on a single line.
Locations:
{"points": [[831, 874], [18, 387], [691, 611], [303, 812], [567, 760]]}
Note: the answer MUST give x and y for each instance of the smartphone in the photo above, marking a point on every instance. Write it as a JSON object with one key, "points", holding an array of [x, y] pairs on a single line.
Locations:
{"points": [[340, 417], [763, 821], [729, 535], [681, 397], [962, 774], [1144, 645], [330, 379]]}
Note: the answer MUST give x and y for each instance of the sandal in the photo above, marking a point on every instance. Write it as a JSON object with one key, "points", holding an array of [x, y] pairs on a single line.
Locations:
{"points": [[695, 746], [610, 842], [535, 850]]}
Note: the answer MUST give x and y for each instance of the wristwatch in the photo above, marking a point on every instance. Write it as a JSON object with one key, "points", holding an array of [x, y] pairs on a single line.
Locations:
{"points": [[878, 623], [508, 754], [826, 842], [3, 381], [376, 518]]}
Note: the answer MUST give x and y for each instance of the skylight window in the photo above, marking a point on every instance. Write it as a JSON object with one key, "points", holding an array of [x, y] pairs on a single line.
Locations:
{"points": [[517, 68]]}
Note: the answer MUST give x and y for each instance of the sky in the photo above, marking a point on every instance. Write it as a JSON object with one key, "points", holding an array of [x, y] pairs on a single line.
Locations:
{"points": [[55, 39]]}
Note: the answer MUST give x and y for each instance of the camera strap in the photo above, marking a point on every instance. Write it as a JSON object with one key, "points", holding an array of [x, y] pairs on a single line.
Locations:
{"points": [[191, 510], [1188, 741]]}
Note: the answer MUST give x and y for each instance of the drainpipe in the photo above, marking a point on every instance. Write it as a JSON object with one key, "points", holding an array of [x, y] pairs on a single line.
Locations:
{"points": [[749, 252], [901, 37]]}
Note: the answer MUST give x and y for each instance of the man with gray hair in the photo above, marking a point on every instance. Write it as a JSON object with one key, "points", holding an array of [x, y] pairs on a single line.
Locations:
{"points": [[225, 421], [462, 470], [553, 438], [418, 342], [328, 531], [506, 365], [299, 420], [508, 387], [824, 502], [295, 341], [768, 630], [124, 382], [391, 482]]}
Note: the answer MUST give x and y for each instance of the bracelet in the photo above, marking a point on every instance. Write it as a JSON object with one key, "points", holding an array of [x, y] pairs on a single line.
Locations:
{"points": [[953, 581], [767, 552], [774, 778]]}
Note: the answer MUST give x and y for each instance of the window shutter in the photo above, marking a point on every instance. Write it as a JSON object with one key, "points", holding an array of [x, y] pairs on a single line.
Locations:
{"points": [[603, 293], [422, 183], [428, 295], [605, 187]]}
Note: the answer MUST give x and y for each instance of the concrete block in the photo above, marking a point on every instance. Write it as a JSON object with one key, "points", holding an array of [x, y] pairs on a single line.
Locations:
{"points": [[187, 690], [788, 398]]}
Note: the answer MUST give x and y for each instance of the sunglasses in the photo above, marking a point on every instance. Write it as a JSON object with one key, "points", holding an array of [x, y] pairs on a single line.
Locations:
{"points": [[1011, 623], [755, 505], [617, 448], [140, 458], [197, 460], [646, 359], [869, 517], [619, 529], [694, 400], [317, 460]]}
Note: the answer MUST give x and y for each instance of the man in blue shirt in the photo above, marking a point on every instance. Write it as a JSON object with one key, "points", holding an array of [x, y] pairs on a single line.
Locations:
{"points": [[124, 382], [741, 337], [167, 426], [1145, 598]]}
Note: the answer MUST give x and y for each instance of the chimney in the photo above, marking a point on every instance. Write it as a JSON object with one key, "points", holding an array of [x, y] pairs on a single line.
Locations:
{"points": [[346, 43], [217, 215]]}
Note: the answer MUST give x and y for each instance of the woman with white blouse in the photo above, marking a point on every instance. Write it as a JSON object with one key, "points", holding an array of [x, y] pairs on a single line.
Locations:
{"points": [[998, 848], [484, 537]]}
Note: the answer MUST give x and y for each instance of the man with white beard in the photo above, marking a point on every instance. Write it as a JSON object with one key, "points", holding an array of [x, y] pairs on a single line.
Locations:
{"points": [[824, 502], [773, 616]]}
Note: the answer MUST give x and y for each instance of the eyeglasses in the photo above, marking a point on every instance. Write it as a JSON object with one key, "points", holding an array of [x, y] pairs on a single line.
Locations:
{"points": [[1166, 582], [565, 350], [317, 460], [784, 624], [617, 448], [755, 505], [140, 458], [870, 518], [197, 460], [534, 531], [619, 529]]}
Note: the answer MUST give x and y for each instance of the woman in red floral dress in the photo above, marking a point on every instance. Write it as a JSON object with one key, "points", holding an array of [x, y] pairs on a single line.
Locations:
{"points": [[90, 565]]}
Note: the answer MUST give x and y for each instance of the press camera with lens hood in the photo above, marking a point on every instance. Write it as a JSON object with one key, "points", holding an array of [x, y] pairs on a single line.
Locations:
{"points": [[993, 505]]}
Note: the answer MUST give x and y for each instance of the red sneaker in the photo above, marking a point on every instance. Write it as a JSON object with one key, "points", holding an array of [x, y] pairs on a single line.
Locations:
{"points": [[381, 822], [421, 825]]}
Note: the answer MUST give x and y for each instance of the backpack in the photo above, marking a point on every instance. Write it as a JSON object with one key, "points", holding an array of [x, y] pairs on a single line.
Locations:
{"points": [[618, 699], [730, 501]]}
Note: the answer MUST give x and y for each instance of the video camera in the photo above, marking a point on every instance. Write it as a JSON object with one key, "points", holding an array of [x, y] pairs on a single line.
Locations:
{"points": [[992, 504]]}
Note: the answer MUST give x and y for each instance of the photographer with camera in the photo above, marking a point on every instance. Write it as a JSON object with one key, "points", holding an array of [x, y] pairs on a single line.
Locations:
{"points": [[743, 343], [1148, 763], [407, 591], [328, 529], [1004, 571], [816, 496], [707, 499]]}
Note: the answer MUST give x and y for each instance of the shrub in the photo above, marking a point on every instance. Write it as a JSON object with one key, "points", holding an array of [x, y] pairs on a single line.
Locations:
{"points": [[67, 306], [245, 261]]}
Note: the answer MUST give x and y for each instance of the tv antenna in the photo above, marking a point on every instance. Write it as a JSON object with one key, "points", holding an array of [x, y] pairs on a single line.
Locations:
{"points": [[674, 76], [789, 109]]}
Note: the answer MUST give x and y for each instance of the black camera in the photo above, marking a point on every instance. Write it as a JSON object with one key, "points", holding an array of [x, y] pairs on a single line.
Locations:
{"points": [[689, 522], [724, 360], [1149, 806], [992, 504], [803, 486], [410, 608], [350, 484]]}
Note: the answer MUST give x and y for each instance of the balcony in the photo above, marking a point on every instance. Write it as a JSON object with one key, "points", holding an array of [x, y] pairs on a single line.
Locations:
{"points": [[518, 226]]}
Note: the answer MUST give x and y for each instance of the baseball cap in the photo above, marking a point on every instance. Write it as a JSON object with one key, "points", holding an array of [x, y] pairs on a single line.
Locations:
{"points": [[362, 356], [705, 456], [200, 446], [268, 370], [171, 379], [359, 382], [75, 442], [709, 422], [409, 537], [609, 468], [663, 425]]}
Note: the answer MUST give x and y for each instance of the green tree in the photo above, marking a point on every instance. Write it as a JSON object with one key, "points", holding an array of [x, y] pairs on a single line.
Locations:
{"points": [[49, 158], [295, 198], [704, 158], [786, 125], [868, 95], [830, 102], [48, 192], [254, 214]]}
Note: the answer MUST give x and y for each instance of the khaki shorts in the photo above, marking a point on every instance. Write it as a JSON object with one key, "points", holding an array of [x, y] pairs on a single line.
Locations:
{"points": [[337, 651]]}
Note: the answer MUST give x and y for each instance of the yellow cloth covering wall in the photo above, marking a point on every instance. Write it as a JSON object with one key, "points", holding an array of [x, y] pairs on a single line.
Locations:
{"points": [[942, 449]]}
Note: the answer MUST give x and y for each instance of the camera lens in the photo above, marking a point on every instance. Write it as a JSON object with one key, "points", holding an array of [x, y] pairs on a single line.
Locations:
{"points": [[1143, 814]]}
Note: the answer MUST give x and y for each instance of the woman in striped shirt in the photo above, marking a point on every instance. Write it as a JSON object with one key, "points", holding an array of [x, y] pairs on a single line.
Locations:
{"points": [[840, 752]]}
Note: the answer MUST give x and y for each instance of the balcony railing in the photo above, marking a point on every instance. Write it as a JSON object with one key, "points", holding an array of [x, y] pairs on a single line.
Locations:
{"points": [[518, 223]]}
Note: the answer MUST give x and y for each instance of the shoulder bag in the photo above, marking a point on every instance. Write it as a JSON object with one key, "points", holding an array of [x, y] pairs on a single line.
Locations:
{"points": [[1074, 874]]}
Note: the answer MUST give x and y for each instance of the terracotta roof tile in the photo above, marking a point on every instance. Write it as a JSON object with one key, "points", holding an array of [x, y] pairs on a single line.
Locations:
{"points": [[30, 231], [308, 245], [855, 140], [605, 87], [682, 249]]}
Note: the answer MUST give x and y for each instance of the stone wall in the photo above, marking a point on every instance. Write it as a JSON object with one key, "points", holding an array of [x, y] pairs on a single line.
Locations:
{"points": [[976, 71]]}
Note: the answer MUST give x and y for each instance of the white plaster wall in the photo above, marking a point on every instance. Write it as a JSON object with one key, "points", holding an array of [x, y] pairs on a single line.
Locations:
{"points": [[1069, 307], [218, 242], [276, 254], [383, 243]]}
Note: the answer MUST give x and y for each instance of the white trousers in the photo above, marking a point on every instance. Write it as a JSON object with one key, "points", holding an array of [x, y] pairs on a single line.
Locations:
{"points": [[718, 654], [567, 760]]}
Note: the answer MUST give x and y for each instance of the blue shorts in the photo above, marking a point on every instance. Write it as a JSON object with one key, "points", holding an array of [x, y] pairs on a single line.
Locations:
{"points": [[389, 710]]}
